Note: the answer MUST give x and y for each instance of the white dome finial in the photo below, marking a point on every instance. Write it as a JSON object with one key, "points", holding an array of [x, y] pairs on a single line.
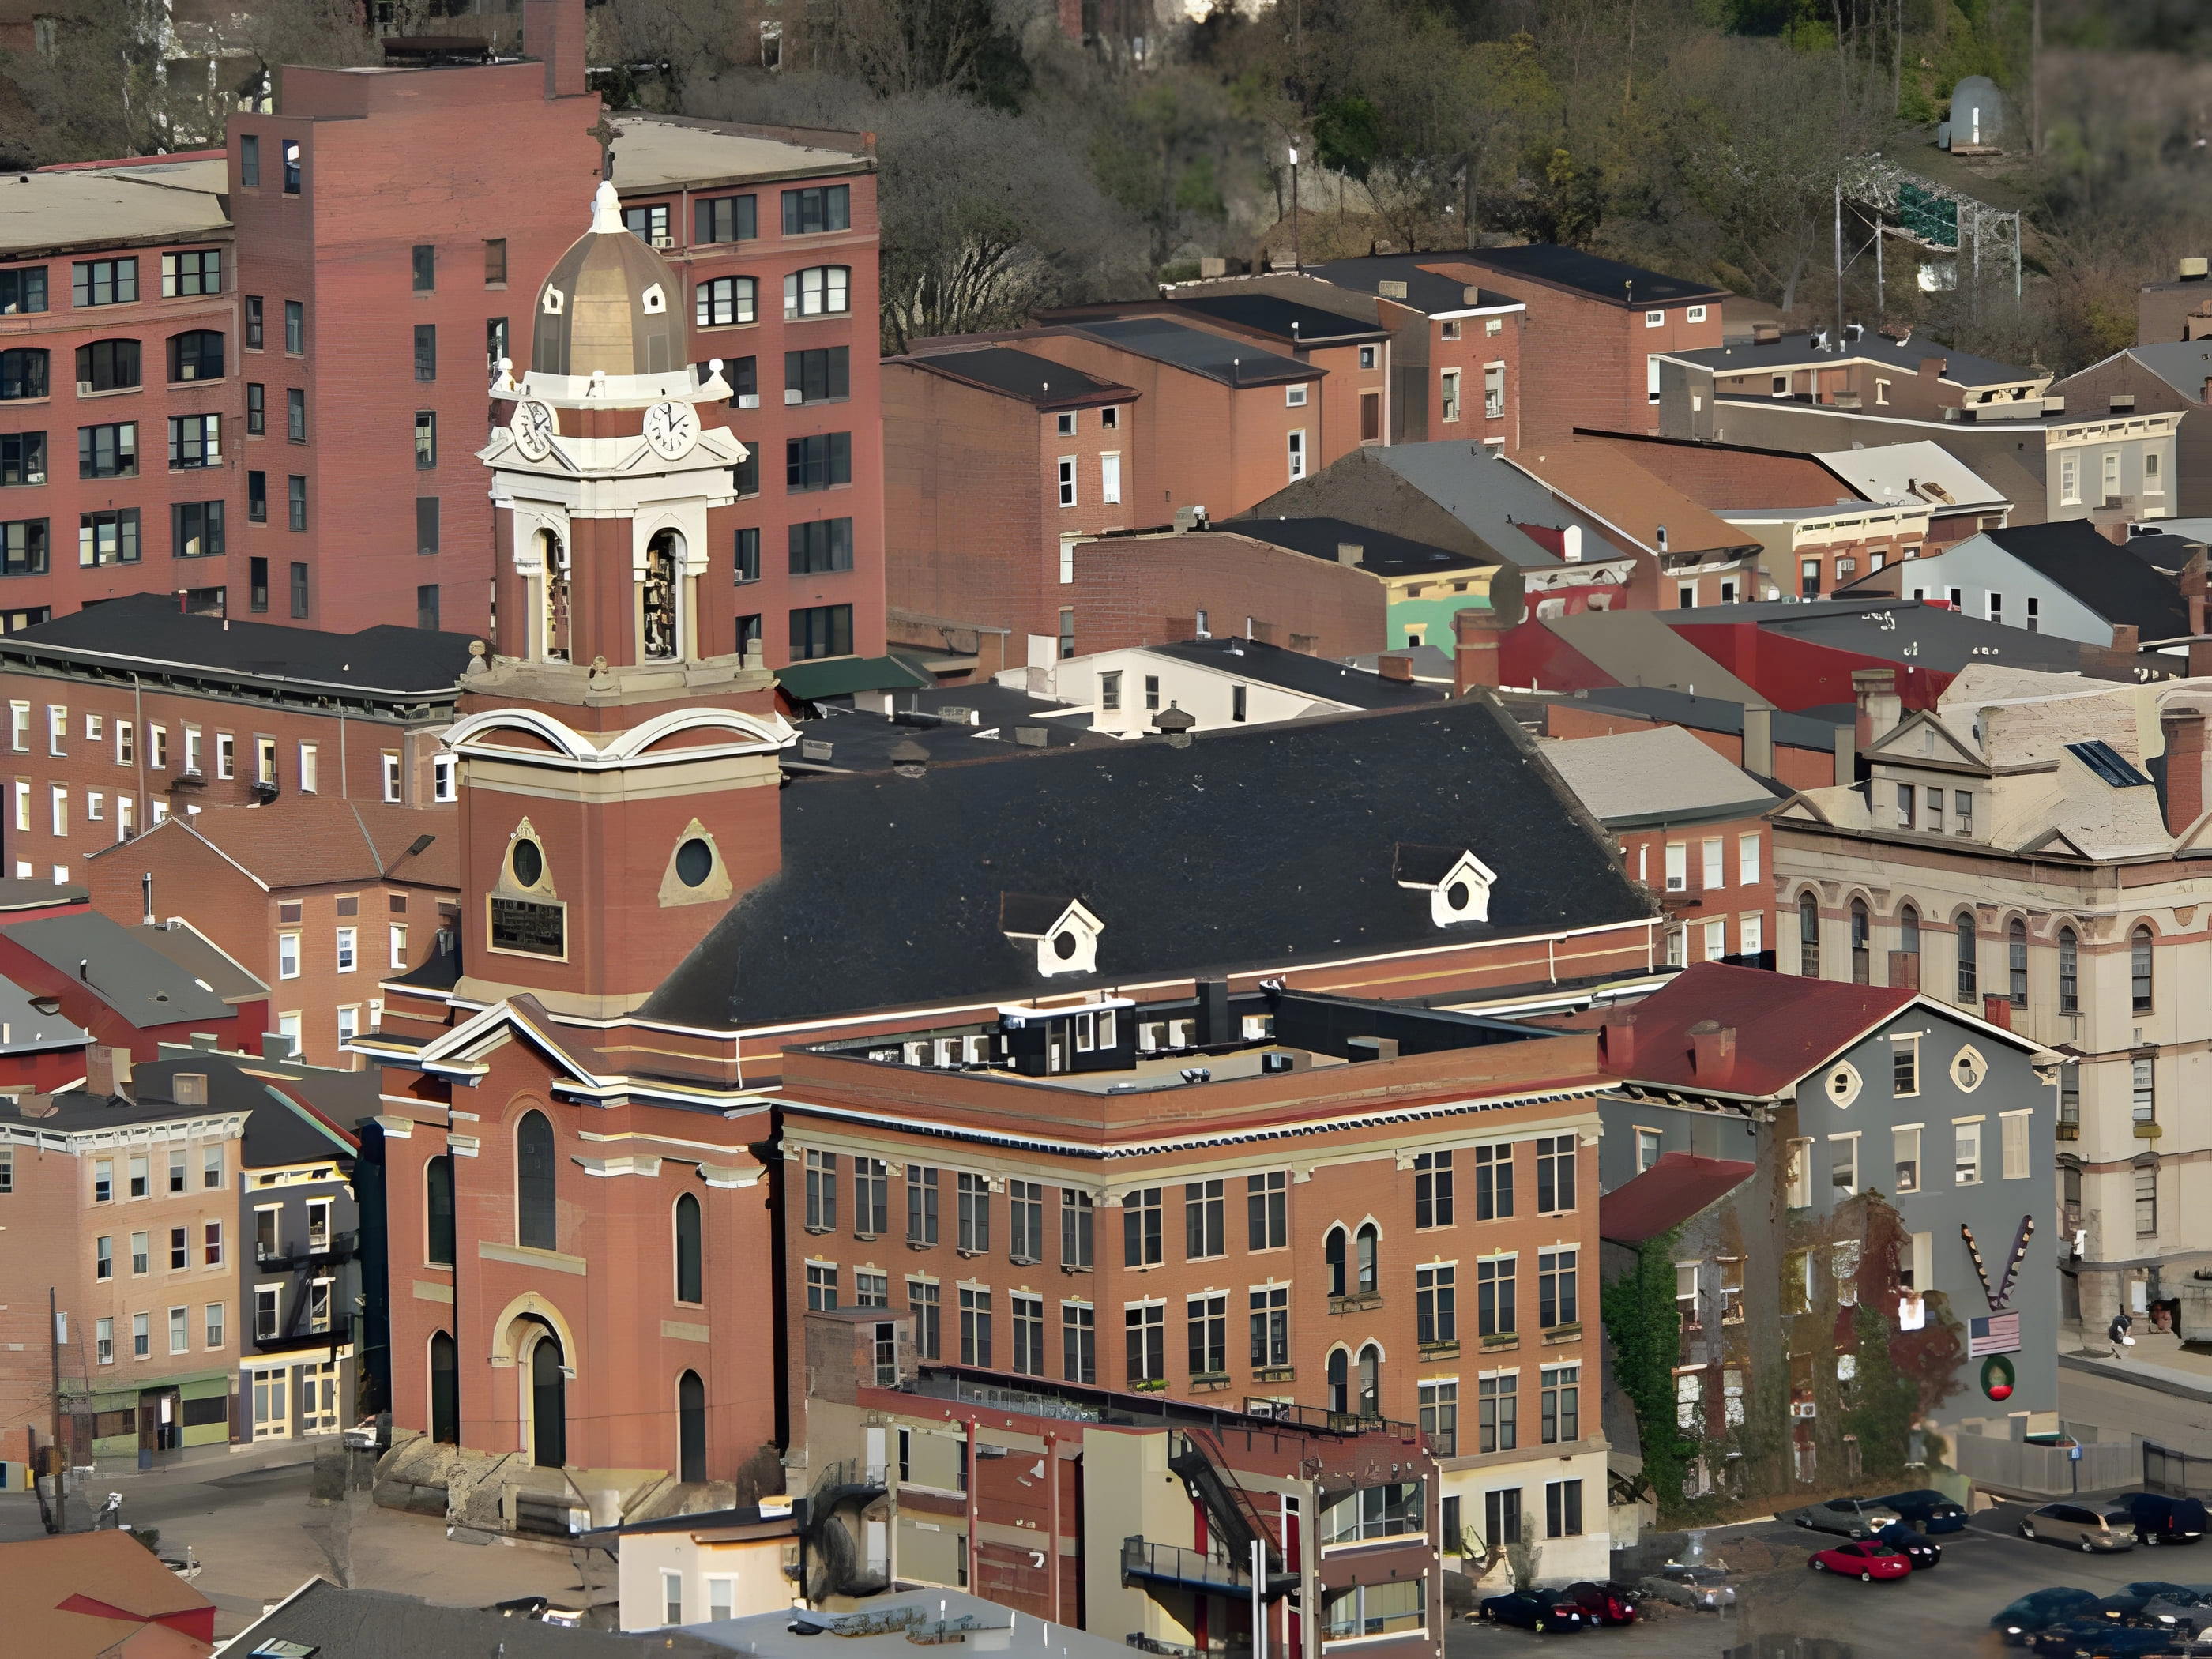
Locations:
{"points": [[606, 208]]}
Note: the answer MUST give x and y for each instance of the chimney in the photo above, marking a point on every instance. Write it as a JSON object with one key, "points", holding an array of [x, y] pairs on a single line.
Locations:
{"points": [[2125, 643], [1616, 1042], [98, 1072], [1997, 1009], [553, 34], [1350, 552], [1847, 757], [2184, 732], [1477, 636], [1712, 1052], [1396, 668], [1932, 367], [1766, 333], [1879, 706], [2194, 582], [1213, 1021], [1758, 739]]}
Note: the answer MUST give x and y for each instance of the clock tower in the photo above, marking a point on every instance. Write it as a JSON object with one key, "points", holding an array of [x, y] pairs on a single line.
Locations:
{"points": [[618, 790]]}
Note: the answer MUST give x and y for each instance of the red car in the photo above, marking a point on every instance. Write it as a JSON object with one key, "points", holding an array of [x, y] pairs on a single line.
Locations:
{"points": [[1602, 1604], [1870, 1560]]}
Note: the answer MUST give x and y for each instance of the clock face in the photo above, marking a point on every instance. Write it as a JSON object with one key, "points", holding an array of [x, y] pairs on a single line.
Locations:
{"points": [[671, 428], [532, 428]]}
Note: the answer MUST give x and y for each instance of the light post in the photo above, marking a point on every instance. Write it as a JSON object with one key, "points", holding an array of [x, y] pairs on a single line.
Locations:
{"points": [[1297, 260]]}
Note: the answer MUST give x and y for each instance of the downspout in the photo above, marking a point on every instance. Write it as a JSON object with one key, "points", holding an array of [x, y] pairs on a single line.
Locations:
{"points": [[138, 751]]}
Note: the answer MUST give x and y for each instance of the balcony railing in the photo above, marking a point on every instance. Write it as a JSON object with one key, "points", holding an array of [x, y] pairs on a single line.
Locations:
{"points": [[1316, 1417], [1171, 1564]]}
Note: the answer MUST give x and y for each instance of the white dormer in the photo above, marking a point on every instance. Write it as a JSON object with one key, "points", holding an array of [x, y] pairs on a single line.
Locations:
{"points": [[1065, 933], [1457, 883]]}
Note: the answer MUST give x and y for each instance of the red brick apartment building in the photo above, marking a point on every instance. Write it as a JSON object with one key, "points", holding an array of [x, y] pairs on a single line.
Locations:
{"points": [[1147, 1509], [122, 717], [316, 310]]}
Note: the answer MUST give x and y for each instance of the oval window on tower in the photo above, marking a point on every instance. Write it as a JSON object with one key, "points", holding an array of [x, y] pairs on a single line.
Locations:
{"points": [[527, 860], [695, 862]]}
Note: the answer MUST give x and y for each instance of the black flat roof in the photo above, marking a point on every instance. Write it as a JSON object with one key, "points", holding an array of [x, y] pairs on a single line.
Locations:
{"points": [[1021, 375], [1294, 671], [1630, 286], [1381, 553], [1284, 319], [1199, 351], [1426, 291]]}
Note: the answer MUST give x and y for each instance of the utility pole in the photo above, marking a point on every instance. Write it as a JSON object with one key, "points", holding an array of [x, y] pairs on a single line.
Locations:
{"points": [[1839, 262], [60, 1523]]}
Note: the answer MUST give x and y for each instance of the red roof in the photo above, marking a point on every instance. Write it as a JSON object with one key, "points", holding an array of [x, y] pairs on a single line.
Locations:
{"points": [[1670, 1191], [1783, 1026]]}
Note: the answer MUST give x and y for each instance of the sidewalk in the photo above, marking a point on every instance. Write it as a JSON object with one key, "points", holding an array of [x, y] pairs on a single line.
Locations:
{"points": [[197, 1465]]}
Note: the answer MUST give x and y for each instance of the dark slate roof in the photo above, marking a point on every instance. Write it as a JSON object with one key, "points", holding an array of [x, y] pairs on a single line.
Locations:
{"points": [[861, 741], [1803, 350], [75, 1109], [1679, 1185], [1912, 633], [2161, 551], [127, 974], [1250, 847], [993, 705], [1295, 671], [1021, 375], [1686, 708], [1590, 275], [1286, 320], [2184, 365], [200, 956], [146, 631], [1425, 290], [2073, 554], [1381, 553], [280, 1130], [364, 1624], [1199, 351]]}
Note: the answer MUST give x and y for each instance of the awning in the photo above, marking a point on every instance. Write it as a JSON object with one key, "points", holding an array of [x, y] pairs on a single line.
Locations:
{"points": [[841, 676]]}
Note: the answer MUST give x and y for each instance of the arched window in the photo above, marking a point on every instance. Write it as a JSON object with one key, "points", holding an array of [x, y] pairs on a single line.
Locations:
{"points": [[687, 1250], [1370, 1380], [2016, 963], [109, 365], [1808, 935], [2139, 986], [445, 1390], [553, 558], [690, 1428], [2069, 972], [656, 597], [1969, 949], [1332, 1250], [535, 1185], [818, 291], [438, 1210], [548, 1404], [195, 354], [1339, 1381], [1908, 931], [1367, 1241], [1862, 944]]}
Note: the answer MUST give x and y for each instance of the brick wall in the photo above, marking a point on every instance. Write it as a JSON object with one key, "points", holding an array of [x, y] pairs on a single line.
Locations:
{"points": [[1148, 591]]}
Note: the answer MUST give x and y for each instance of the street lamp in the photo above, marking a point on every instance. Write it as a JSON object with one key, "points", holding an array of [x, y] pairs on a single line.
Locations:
{"points": [[1297, 262]]}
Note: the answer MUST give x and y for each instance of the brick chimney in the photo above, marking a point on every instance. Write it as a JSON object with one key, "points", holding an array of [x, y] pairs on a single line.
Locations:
{"points": [[2194, 582], [2125, 643], [1879, 706], [1477, 637], [1932, 367], [1392, 668], [553, 34], [1712, 1052], [1616, 1042], [2184, 731], [1758, 739]]}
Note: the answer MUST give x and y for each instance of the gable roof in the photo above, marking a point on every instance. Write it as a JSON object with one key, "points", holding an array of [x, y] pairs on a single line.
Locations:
{"points": [[310, 841], [2184, 365], [1803, 351], [1600, 480], [1020, 374], [364, 1623], [1912, 633], [2071, 554], [1250, 847], [1921, 471], [129, 975], [281, 1127], [205, 961], [1664, 775], [1642, 648], [1680, 1186], [1703, 714], [1494, 500], [1199, 351], [1381, 553], [1295, 671], [76, 1596], [1632, 288], [1786, 1027]]}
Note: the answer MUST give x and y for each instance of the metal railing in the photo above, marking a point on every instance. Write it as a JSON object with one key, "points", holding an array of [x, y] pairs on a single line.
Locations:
{"points": [[1175, 1564], [1317, 1417]]}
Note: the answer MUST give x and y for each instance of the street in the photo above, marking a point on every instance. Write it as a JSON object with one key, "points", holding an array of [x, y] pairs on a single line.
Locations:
{"points": [[1943, 1612]]}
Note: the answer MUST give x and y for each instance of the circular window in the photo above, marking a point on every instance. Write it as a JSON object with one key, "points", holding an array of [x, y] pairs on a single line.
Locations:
{"points": [[1457, 897], [695, 862], [528, 862], [1843, 1083], [1064, 945], [1968, 1068]]}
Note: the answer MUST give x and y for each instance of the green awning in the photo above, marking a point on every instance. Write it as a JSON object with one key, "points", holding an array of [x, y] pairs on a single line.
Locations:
{"points": [[841, 676]]}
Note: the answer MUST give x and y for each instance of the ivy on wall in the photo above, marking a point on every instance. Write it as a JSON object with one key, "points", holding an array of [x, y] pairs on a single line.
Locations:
{"points": [[1645, 1329]]}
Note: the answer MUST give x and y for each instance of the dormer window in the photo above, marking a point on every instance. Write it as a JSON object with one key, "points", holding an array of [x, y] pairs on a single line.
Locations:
{"points": [[654, 299], [554, 301], [1065, 934], [1457, 883]]}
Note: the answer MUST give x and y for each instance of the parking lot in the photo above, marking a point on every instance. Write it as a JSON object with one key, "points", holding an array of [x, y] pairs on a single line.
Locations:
{"points": [[1942, 1612]]}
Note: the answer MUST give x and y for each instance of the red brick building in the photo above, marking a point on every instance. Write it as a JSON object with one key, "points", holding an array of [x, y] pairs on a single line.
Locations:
{"points": [[1158, 588], [124, 716]]}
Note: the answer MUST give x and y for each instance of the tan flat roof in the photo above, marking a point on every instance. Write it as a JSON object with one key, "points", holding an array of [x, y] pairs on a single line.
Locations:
{"points": [[656, 152], [157, 199]]}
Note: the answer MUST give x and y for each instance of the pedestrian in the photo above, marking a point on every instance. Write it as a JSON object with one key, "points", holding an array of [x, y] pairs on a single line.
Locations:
{"points": [[2116, 1335]]}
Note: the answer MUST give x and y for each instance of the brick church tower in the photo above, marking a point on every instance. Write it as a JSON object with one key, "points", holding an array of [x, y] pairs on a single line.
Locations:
{"points": [[578, 1218], [616, 788]]}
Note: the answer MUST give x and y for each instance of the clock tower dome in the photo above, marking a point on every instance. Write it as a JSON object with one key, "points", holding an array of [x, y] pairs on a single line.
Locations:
{"points": [[618, 789]]}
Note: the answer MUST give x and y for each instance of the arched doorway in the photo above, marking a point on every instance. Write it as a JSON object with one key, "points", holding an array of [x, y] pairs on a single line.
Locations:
{"points": [[658, 632], [445, 1389], [549, 1403], [690, 1429]]}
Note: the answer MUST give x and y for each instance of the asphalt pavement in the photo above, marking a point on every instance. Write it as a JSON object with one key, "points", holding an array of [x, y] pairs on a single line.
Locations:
{"points": [[1938, 1613]]}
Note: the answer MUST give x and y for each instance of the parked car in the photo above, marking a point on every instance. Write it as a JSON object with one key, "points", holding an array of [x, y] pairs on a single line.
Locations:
{"points": [[1604, 1604], [1537, 1610], [2158, 1603], [1867, 1559], [2160, 1519], [2121, 1641], [2039, 1610], [2063, 1639], [1707, 1590], [1910, 1545], [2077, 1524], [1854, 1517], [1928, 1510]]}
